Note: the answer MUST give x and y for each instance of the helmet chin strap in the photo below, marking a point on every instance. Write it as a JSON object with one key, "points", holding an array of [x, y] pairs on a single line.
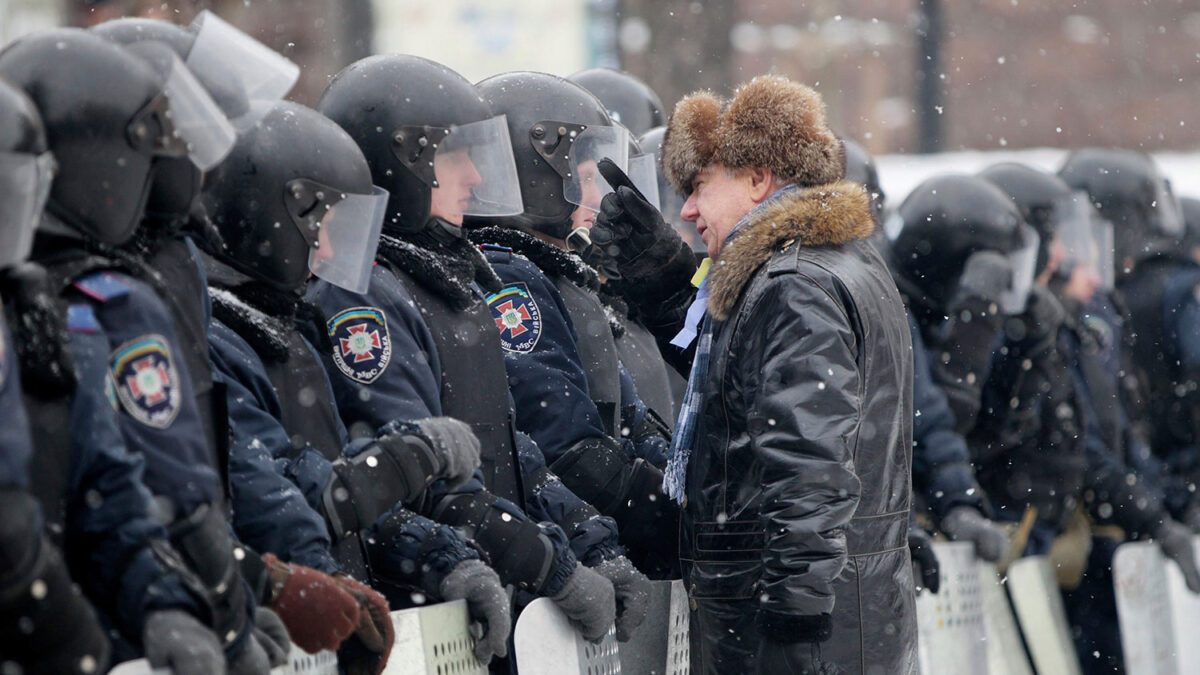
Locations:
{"points": [[444, 231]]}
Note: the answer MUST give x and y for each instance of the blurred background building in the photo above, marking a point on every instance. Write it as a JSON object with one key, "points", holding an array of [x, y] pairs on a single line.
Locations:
{"points": [[901, 76]]}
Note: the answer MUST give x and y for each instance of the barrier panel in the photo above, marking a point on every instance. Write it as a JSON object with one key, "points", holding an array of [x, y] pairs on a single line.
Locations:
{"points": [[299, 663], [1039, 607], [546, 644], [950, 623], [1005, 649], [660, 645], [1158, 615], [433, 639]]}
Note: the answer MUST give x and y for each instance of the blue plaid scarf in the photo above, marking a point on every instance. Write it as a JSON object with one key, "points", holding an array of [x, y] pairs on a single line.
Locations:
{"points": [[699, 324]]}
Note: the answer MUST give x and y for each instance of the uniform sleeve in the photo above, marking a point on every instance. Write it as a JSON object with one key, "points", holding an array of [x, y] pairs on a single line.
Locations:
{"points": [[547, 382], [271, 514], [797, 361], [15, 444], [160, 422], [961, 357], [408, 385], [941, 461], [642, 436], [110, 532]]}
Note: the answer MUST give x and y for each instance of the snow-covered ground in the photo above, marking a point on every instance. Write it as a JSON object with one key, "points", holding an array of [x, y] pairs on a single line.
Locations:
{"points": [[899, 174]]}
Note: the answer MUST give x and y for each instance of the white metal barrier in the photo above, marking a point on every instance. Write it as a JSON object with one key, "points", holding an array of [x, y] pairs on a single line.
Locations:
{"points": [[950, 624], [1036, 597], [433, 639], [299, 663], [546, 644], [1158, 615], [1005, 649], [660, 645]]}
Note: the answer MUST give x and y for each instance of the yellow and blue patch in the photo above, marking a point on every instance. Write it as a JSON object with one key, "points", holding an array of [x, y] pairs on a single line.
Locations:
{"points": [[517, 316], [362, 348], [146, 381]]}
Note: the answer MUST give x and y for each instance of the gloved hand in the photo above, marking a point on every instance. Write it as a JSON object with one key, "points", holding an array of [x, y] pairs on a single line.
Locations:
{"points": [[456, 447], [589, 602], [272, 636], [487, 603], [633, 233], [926, 570], [966, 523], [1042, 317], [252, 660], [799, 658], [632, 590], [985, 275], [317, 610], [175, 640], [1175, 540], [375, 633]]}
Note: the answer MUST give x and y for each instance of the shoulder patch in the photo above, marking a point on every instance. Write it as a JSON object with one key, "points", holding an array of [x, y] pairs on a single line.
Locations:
{"points": [[147, 381], [82, 319], [517, 316], [362, 348], [101, 286]]}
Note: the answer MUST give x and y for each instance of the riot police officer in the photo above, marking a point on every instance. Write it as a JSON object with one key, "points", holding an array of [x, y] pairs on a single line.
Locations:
{"points": [[441, 153], [64, 634], [559, 134], [136, 115], [629, 101]]}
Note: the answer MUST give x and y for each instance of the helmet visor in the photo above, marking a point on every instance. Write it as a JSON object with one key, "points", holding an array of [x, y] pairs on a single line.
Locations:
{"points": [[1084, 238], [474, 172], [643, 171], [222, 53], [197, 120], [1168, 215], [24, 185], [583, 184], [1023, 263], [348, 236]]}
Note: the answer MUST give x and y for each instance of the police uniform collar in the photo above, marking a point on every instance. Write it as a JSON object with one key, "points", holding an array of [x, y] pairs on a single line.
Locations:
{"points": [[550, 259], [446, 269]]}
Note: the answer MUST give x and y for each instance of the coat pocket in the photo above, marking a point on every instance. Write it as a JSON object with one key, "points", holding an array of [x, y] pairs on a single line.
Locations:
{"points": [[729, 541]]}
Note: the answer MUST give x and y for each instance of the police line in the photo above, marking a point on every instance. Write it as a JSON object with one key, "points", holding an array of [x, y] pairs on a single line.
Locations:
{"points": [[979, 623]]}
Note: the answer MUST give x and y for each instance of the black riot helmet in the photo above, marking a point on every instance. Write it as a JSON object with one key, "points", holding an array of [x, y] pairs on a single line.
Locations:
{"points": [[947, 218], [293, 197], [670, 202], [236, 70], [1041, 197], [559, 131], [26, 172], [628, 100], [431, 140], [109, 117], [860, 168]]}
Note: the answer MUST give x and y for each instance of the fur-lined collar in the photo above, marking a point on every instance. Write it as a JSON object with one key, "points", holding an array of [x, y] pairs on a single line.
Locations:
{"points": [[550, 259], [828, 215], [447, 273]]}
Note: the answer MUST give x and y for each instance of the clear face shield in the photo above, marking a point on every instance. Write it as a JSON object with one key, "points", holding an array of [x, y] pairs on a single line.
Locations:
{"points": [[342, 230], [1023, 263], [643, 173], [224, 54], [1084, 240], [25, 181], [1167, 212], [474, 173], [583, 185]]}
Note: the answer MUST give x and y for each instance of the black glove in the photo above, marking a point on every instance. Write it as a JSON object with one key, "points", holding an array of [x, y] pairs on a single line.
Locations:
{"points": [[589, 602], [456, 446], [965, 523], [1038, 326], [926, 570], [797, 658], [175, 640], [632, 589], [985, 275], [1175, 540], [648, 252], [487, 604]]}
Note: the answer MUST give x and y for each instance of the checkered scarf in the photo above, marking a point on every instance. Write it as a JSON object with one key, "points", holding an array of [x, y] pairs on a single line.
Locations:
{"points": [[699, 324]]}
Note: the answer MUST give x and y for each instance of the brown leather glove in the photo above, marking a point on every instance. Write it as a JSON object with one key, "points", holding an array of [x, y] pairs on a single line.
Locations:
{"points": [[318, 611], [375, 633]]}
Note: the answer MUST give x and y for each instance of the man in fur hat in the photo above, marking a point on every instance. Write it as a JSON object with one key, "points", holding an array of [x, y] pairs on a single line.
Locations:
{"points": [[791, 456]]}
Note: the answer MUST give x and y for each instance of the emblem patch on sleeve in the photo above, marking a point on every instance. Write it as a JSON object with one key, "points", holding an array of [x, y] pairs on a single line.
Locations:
{"points": [[146, 380], [362, 349], [517, 316]]}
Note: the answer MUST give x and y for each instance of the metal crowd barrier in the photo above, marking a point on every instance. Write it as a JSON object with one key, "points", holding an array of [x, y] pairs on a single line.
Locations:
{"points": [[1158, 615], [299, 663]]}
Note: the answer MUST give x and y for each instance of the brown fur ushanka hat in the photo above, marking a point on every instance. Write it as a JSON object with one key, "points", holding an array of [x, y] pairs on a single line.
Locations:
{"points": [[771, 122]]}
